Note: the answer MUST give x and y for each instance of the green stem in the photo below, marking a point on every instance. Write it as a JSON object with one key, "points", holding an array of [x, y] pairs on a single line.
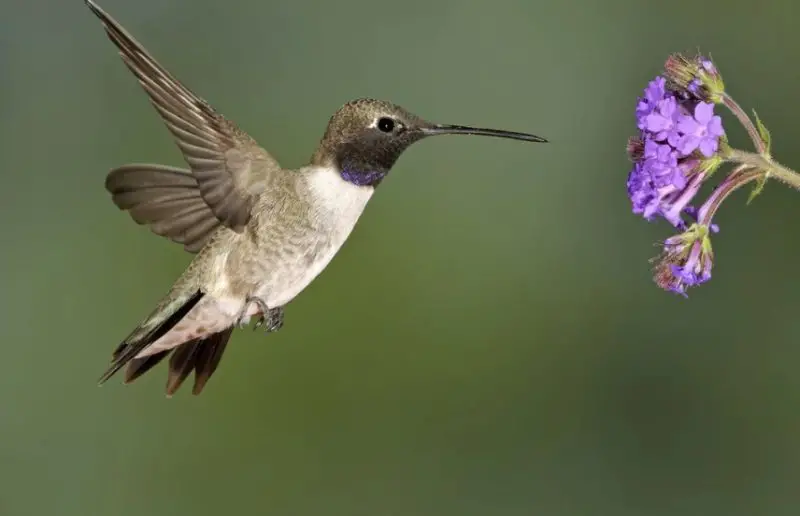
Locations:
{"points": [[766, 165], [737, 110]]}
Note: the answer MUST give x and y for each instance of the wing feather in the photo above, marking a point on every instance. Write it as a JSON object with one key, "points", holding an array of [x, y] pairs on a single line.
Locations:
{"points": [[229, 166], [167, 199]]}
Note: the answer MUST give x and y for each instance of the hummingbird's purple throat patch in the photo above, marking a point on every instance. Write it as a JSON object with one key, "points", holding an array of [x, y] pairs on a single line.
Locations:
{"points": [[362, 178]]}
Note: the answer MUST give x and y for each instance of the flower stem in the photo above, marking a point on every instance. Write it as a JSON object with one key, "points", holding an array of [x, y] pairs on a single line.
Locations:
{"points": [[742, 175], [765, 165], [745, 120]]}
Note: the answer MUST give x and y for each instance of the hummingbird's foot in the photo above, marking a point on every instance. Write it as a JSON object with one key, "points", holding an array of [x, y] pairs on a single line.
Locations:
{"points": [[243, 318], [272, 320]]}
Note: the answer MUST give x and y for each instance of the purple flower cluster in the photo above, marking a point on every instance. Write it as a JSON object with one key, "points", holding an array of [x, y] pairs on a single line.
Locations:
{"points": [[679, 137], [680, 143]]}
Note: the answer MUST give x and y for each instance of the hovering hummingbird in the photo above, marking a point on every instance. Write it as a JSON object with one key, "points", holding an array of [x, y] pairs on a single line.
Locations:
{"points": [[261, 232]]}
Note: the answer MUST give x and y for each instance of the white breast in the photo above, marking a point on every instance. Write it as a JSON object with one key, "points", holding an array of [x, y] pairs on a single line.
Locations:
{"points": [[338, 204], [344, 201]]}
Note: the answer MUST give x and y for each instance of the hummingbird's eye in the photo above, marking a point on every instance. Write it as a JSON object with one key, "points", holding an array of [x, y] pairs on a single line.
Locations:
{"points": [[386, 125]]}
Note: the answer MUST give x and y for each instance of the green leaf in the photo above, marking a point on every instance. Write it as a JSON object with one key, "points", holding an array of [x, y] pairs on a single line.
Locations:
{"points": [[763, 132], [760, 182]]}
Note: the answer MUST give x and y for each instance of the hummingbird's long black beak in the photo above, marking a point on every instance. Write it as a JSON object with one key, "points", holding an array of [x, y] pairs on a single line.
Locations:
{"points": [[463, 129]]}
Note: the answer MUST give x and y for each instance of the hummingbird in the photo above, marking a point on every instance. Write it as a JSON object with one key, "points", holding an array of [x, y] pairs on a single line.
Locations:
{"points": [[260, 233]]}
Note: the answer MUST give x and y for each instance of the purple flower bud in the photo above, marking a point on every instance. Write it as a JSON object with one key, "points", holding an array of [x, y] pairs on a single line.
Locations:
{"points": [[686, 261], [696, 78], [635, 148], [708, 66]]}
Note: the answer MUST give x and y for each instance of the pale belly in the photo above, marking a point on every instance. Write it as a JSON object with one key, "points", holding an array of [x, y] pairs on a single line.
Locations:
{"points": [[287, 282], [217, 312]]}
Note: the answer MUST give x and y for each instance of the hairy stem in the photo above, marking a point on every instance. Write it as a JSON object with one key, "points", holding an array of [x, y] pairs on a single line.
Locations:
{"points": [[766, 165], [745, 120]]}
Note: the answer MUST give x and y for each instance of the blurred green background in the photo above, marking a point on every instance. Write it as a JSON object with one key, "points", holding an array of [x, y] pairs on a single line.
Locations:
{"points": [[489, 341]]}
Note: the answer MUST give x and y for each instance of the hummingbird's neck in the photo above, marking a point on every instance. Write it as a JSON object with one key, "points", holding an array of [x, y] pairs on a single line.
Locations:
{"points": [[354, 165], [329, 193], [363, 177]]}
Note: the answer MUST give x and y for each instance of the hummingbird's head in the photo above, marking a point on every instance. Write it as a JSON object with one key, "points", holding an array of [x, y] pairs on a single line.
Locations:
{"points": [[365, 137]]}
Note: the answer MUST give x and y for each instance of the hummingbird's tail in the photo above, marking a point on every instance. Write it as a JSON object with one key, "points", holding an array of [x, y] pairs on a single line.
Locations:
{"points": [[160, 334], [200, 355]]}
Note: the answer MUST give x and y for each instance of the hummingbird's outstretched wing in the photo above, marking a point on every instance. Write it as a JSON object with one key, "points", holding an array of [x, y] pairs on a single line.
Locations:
{"points": [[230, 167], [165, 198]]}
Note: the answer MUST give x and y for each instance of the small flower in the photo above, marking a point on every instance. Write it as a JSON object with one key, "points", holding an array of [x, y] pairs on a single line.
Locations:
{"points": [[642, 193], [686, 260], [662, 122], [662, 162], [701, 131], [694, 78], [652, 94]]}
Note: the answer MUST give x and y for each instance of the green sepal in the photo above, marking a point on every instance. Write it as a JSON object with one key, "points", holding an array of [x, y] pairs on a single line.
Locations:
{"points": [[763, 132], [760, 182]]}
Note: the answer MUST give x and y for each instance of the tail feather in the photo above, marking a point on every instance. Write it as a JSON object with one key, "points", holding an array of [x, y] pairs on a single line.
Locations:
{"points": [[202, 356], [181, 364], [138, 366], [148, 332], [207, 360]]}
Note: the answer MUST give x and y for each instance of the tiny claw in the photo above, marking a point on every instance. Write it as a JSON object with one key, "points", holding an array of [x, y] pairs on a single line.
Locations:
{"points": [[270, 318], [260, 302], [274, 320], [244, 319]]}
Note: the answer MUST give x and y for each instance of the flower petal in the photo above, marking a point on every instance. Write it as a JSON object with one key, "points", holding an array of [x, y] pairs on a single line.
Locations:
{"points": [[715, 127], [708, 146], [703, 112]]}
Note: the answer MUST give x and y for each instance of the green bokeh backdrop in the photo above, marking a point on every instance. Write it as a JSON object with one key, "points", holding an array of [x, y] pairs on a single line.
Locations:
{"points": [[489, 341]]}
